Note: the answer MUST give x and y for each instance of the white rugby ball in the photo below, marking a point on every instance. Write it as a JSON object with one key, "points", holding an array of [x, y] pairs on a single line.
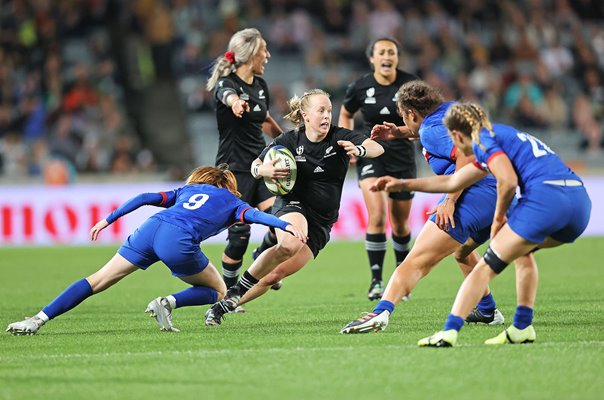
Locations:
{"points": [[286, 160]]}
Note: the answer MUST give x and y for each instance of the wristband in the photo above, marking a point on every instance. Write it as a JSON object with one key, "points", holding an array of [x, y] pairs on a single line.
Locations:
{"points": [[362, 151], [255, 171]]}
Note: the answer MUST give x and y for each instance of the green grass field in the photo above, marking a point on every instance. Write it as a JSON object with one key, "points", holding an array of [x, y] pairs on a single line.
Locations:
{"points": [[288, 346]]}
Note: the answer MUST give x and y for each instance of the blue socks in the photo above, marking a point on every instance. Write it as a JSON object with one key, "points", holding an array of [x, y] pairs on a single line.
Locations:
{"points": [[487, 305], [196, 296], [71, 297], [454, 322], [523, 317], [383, 305]]}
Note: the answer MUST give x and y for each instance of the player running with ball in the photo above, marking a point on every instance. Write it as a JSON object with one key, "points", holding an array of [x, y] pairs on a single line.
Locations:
{"points": [[322, 154]]}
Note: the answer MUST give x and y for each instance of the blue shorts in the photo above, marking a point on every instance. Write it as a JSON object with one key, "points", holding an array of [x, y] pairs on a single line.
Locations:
{"points": [[473, 215], [158, 240], [559, 212]]}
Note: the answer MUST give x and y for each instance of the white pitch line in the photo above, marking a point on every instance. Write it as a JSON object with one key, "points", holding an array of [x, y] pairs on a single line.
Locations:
{"points": [[202, 353]]}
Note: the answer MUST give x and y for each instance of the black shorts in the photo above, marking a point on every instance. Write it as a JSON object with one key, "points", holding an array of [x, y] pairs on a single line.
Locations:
{"points": [[318, 233], [253, 191], [376, 167]]}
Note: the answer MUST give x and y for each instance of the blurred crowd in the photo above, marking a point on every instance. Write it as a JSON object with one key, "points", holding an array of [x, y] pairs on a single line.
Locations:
{"points": [[538, 64]]}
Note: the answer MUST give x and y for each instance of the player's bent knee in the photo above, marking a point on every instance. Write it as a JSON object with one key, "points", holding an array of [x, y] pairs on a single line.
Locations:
{"points": [[493, 261], [288, 248], [239, 238]]}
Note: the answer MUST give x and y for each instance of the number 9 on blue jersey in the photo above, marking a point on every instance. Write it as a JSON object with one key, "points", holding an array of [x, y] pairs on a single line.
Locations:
{"points": [[286, 160]]}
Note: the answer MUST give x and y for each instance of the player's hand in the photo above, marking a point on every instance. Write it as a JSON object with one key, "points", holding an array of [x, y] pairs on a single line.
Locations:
{"points": [[497, 224], [349, 147], [444, 214], [385, 131], [268, 170], [239, 107], [388, 184], [96, 229], [296, 232]]}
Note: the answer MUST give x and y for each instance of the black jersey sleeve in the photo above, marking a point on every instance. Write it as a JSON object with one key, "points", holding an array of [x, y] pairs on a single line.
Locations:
{"points": [[351, 101], [224, 88]]}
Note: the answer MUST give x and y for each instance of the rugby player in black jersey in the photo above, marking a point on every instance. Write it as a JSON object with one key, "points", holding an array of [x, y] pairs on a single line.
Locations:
{"points": [[374, 94], [322, 153], [242, 112]]}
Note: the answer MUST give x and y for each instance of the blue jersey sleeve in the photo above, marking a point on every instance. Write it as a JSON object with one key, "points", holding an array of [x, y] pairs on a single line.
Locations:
{"points": [[487, 149], [245, 213], [437, 142], [161, 199]]}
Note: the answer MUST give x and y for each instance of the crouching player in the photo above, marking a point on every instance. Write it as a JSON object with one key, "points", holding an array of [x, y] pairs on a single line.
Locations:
{"points": [[208, 204]]}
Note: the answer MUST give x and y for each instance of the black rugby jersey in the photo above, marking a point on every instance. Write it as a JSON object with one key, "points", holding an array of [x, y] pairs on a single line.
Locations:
{"points": [[322, 168], [378, 104], [241, 139]]}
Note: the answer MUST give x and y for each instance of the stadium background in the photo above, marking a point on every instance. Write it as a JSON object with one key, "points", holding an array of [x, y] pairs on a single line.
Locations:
{"points": [[100, 99]]}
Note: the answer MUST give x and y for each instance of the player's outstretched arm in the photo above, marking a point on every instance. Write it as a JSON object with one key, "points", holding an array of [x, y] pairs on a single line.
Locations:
{"points": [[155, 199], [389, 131], [253, 216], [466, 176], [368, 149]]}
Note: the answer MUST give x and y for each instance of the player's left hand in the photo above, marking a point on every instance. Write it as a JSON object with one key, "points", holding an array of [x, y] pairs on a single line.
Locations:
{"points": [[97, 228], [351, 148], [296, 232], [444, 214]]}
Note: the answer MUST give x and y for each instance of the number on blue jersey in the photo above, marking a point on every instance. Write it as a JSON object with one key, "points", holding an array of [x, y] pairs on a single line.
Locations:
{"points": [[196, 201], [535, 143]]}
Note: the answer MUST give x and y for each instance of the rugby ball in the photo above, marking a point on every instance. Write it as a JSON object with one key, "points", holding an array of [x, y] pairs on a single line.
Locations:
{"points": [[286, 160]]}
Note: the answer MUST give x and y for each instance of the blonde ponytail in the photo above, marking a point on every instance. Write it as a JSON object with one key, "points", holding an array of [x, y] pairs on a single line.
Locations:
{"points": [[243, 46]]}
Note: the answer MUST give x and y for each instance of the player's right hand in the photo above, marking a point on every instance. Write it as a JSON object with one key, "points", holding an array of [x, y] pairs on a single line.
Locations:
{"points": [[239, 107], [97, 228], [268, 170]]}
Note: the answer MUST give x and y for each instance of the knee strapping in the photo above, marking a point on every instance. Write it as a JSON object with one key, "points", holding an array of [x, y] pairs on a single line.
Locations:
{"points": [[493, 260], [239, 237]]}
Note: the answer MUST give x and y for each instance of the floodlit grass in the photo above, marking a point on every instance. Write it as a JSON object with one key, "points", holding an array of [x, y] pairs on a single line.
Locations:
{"points": [[288, 346]]}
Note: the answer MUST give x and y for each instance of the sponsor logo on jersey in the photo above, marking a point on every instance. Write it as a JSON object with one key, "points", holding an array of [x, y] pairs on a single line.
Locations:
{"points": [[261, 94], [243, 95], [370, 93], [220, 83], [395, 98], [367, 169], [318, 169], [257, 108], [385, 111], [329, 152]]}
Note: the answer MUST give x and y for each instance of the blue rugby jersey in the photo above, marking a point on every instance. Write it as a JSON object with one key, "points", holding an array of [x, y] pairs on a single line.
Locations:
{"points": [[202, 210], [533, 160]]}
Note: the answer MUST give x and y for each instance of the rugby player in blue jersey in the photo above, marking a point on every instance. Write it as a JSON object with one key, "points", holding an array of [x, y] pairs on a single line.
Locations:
{"points": [[462, 219], [207, 204], [547, 186]]}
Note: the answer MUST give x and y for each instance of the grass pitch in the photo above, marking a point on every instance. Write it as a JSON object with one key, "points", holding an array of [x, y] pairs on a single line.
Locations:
{"points": [[288, 346]]}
